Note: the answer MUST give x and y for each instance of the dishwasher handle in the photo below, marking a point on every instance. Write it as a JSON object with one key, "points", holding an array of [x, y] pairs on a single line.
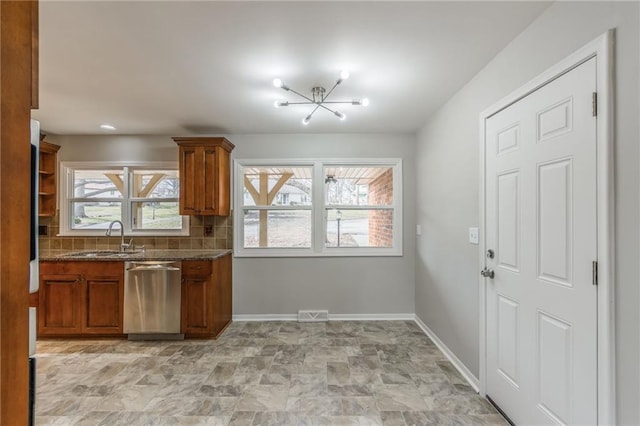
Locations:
{"points": [[151, 268]]}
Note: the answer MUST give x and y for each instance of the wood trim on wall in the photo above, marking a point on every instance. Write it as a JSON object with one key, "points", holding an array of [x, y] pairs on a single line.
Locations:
{"points": [[16, 41]]}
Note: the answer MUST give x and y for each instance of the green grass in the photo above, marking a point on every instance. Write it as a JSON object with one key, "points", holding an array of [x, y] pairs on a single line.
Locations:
{"points": [[162, 217]]}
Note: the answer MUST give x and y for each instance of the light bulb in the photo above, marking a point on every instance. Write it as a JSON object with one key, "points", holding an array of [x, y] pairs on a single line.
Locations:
{"points": [[340, 115], [276, 104], [277, 83], [365, 102], [344, 75], [305, 120]]}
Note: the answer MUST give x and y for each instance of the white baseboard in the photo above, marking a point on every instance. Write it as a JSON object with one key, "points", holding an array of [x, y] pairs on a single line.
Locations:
{"points": [[469, 377], [265, 317], [332, 317], [371, 317]]}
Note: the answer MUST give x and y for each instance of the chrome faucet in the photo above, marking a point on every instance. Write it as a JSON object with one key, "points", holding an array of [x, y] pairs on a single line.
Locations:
{"points": [[123, 246]]}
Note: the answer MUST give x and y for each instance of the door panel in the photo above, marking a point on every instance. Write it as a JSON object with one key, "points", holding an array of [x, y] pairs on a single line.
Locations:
{"points": [[508, 221], [555, 120], [197, 300], [540, 211], [188, 180], [103, 307], [555, 359], [508, 339], [210, 181], [555, 222], [59, 310]]}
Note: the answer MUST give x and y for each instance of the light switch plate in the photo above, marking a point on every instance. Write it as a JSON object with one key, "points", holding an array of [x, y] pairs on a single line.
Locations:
{"points": [[474, 236], [418, 229]]}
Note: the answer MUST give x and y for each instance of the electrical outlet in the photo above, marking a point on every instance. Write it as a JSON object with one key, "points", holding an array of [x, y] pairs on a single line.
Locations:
{"points": [[208, 230], [43, 230], [418, 230], [474, 235]]}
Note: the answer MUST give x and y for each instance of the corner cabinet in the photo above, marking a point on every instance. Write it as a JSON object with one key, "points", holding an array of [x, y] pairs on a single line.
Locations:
{"points": [[80, 298], [206, 296], [47, 170], [205, 170]]}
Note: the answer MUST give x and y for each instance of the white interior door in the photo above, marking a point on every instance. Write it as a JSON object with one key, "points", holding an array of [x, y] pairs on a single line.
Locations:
{"points": [[540, 211]]}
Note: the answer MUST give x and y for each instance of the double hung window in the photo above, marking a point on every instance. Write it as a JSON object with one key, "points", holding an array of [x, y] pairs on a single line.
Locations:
{"points": [[318, 207], [144, 197]]}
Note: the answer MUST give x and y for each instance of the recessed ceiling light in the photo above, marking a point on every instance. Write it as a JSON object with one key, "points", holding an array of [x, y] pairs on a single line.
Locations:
{"points": [[107, 127]]}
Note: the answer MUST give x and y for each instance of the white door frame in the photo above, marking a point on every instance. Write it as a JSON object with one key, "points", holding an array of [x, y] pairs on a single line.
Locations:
{"points": [[602, 49]]}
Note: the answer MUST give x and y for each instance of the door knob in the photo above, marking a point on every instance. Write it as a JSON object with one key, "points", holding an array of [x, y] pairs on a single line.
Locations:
{"points": [[487, 273]]}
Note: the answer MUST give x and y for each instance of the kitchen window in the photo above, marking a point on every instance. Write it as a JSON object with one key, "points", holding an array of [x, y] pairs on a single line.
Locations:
{"points": [[296, 208], [143, 196]]}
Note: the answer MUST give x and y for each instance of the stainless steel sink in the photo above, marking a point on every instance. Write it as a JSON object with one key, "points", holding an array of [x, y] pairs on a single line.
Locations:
{"points": [[101, 253], [125, 253], [92, 253]]}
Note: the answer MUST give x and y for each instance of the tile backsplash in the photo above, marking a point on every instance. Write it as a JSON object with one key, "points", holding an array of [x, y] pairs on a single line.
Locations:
{"points": [[221, 237]]}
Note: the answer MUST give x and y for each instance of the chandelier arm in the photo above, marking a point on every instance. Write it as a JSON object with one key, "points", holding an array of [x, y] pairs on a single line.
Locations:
{"points": [[331, 90], [302, 103], [336, 102], [314, 110], [328, 109], [302, 96]]}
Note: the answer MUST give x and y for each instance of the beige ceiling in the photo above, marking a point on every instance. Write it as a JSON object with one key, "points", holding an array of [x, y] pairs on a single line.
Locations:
{"points": [[185, 68]]}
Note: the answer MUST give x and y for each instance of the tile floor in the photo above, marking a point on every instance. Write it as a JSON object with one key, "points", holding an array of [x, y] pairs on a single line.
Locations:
{"points": [[259, 373]]}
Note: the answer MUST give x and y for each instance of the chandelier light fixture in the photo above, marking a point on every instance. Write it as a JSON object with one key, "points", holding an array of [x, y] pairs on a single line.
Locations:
{"points": [[318, 98]]}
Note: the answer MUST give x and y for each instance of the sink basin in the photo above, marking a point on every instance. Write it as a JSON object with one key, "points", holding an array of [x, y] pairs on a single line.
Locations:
{"points": [[92, 253], [124, 254], [101, 253]]}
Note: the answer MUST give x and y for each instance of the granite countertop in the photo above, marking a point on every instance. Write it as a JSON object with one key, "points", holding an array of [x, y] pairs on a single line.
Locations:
{"points": [[111, 256]]}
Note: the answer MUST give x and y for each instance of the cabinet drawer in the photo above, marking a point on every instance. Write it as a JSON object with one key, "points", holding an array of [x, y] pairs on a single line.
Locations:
{"points": [[196, 267]]}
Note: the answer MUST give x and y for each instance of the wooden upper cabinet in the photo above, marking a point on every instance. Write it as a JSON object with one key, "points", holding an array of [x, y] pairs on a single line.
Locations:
{"points": [[204, 175], [48, 182]]}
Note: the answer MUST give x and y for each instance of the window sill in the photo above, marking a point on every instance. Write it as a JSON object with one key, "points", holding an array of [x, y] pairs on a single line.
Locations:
{"points": [[274, 253], [116, 234]]}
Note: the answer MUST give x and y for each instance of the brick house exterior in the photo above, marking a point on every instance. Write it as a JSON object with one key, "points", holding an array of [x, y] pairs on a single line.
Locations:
{"points": [[381, 221]]}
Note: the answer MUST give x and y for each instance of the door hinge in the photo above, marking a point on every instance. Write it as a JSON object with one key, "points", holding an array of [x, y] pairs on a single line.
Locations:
{"points": [[594, 104], [594, 272]]}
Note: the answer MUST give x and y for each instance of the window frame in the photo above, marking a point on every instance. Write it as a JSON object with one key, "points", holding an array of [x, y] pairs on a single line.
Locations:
{"points": [[319, 207], [127, 168]]}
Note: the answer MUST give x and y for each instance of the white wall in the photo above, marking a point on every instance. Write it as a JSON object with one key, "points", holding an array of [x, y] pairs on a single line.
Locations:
{"points": [[447, 183], [355, 285]]}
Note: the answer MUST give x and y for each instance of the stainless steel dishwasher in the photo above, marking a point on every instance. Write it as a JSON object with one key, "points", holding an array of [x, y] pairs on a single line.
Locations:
{"points": [[152, 300]]}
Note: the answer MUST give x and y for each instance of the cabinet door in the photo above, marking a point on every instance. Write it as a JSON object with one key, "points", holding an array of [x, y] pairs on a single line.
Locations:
{"points": [[223, 299], [209, 181], [223, 183], [190, 178], [103, 312], [60, 299], [197, 306]]}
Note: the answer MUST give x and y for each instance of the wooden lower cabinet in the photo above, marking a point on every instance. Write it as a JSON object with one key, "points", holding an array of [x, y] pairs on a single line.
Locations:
{"points": [[224, 301], [104, 302], [80, 298], [87, 298], [206, 296], [60, 298]]}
